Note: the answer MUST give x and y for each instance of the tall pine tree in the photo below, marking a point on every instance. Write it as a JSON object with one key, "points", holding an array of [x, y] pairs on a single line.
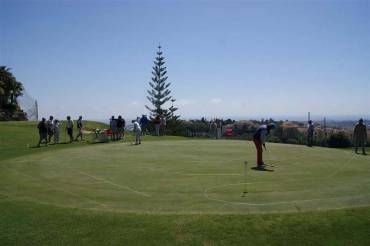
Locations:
{"points": [[159, 92]]}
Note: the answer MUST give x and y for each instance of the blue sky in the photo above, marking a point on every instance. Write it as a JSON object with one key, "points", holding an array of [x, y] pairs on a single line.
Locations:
{"points": [[245, 59]]}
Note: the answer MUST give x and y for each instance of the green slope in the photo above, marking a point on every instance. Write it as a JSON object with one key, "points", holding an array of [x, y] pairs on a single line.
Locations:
{"points": [[20, 138]]}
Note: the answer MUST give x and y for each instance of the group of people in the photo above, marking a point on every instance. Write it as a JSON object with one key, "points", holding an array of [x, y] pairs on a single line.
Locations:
{"points": [[259, 138], [359, 135], [215, 128], [160, 124], [140, 126], [117, 127], [50, 128]]}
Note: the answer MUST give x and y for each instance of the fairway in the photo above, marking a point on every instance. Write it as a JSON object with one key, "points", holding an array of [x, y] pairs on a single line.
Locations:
{"points": [[189, 177]]}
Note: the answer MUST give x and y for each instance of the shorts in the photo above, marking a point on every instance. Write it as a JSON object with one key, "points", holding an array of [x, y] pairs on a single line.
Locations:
{"points": [[70, 131]]}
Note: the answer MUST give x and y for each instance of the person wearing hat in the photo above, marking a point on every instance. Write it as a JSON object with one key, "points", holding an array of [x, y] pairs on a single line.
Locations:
{"points": [[259, 139], [360, 136], [310, 132]]}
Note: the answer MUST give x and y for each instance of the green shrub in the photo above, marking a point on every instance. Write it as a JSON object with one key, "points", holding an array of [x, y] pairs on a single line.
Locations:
{"points": [[338, 140], [274, 139], [292, 141]]}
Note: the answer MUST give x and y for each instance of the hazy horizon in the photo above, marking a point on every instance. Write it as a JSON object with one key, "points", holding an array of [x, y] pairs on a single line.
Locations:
{"points": [[317, 118]]}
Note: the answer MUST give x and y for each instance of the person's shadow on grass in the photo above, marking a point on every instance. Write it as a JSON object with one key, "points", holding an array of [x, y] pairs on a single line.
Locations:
{"points": [[262, 169]]}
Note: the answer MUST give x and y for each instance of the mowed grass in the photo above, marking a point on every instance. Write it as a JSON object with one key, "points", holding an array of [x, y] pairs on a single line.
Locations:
{"points": [[21, 138], [195, 176], [183, 192]]}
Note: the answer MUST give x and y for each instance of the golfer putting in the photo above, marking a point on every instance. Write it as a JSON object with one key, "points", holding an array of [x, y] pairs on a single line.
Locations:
{"points": [[259, 139]]}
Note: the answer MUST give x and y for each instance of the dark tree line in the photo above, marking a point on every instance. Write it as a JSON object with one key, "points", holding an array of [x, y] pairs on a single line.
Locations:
{"points": [[10, 90]]}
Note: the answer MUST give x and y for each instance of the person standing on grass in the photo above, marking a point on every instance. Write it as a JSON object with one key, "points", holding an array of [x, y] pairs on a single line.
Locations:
{"points": [[163, 125], [69, 128], [143, 124], [137, 132], [113, 127], [360, 136], [213, 129], [219, 129], [49, 125], [259, 139], [43, 132], [79, 128], [123, 127], [157, 124], [310, 133], [120, 127], [56, 131]]}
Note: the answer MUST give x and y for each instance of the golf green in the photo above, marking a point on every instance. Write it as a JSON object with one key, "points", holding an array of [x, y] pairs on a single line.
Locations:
{"points": [[187, 177]]}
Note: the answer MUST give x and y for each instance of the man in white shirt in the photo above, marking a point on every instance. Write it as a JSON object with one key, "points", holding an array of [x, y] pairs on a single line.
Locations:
{"points": [[50, 127], [56, 131], [137, 132], [69, 128], [163, 125]]}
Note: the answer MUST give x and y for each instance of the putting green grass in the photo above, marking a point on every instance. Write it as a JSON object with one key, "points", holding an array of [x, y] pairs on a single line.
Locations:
{"points": [[195, 176], [167, 192]]}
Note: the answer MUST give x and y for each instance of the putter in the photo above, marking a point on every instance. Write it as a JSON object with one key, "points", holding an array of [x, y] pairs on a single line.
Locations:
{"points": [[245, 179]]}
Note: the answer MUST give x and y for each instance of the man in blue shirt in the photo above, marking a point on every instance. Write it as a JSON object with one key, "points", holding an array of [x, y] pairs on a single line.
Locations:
{"points": [[143, 124], [259, 139], [310, 133]]}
